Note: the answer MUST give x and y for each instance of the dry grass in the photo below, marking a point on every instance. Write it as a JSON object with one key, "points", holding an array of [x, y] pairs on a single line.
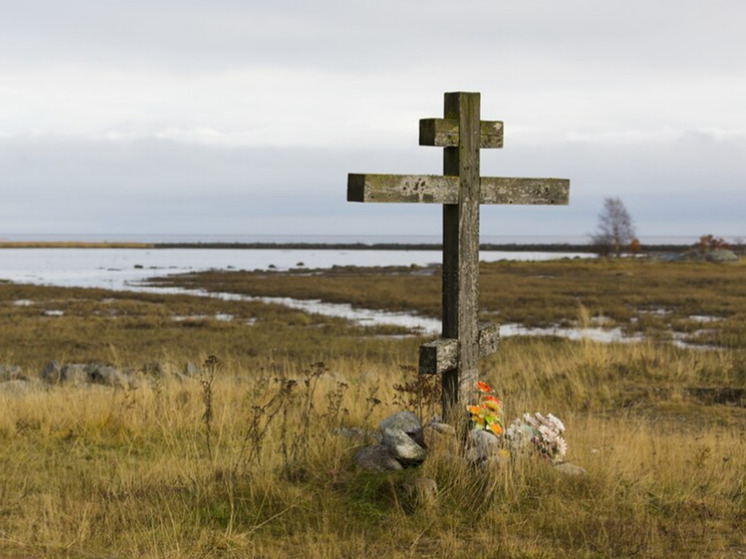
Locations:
{"points": [[102, 472], [128, 472]]}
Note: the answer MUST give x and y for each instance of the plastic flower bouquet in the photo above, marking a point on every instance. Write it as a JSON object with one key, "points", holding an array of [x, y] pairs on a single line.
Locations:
{"points": [[543, 433], [487, 414]]}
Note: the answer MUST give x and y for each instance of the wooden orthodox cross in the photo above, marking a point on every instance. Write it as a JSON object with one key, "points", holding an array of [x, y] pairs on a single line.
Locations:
{"points": [[461, 190]]}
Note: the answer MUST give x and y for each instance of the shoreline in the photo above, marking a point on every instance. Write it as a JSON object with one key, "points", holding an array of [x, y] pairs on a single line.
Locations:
{"points": [[486, 247]]}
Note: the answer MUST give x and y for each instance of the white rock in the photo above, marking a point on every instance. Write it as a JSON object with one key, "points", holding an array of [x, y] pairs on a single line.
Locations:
{"points": [[402, 446]]}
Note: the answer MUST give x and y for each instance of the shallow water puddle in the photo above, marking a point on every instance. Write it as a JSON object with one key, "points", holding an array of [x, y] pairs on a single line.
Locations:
{"points": [[415, 323]]}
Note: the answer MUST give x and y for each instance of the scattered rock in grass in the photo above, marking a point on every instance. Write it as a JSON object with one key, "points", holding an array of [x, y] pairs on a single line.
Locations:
{"points": [[377, 459], [51, 373], [404, 437], [402, 444], [84, 373], [481, 445], [10, 372], [405, 421], [403, 447], [191, 370], [106, 375], [721, 255], [74, 373]]}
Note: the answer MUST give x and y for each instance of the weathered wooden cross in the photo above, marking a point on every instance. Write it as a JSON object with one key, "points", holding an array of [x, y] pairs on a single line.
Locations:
{"points": [[461, 190]]}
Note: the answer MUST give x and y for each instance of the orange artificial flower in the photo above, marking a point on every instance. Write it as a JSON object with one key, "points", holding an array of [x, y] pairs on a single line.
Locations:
{"points": [[493, 405], [495, 428], [483, 387]]}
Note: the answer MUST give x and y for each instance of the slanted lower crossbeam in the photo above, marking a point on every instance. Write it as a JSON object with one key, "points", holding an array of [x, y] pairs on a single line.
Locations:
{"points": [[440, 356]]}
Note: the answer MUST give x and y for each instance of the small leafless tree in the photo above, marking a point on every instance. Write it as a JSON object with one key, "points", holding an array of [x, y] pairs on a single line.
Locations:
{"points": [[615, 228]]}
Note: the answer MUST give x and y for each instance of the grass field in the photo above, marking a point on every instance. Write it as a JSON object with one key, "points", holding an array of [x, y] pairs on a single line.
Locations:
{"points": [[243, 459]]}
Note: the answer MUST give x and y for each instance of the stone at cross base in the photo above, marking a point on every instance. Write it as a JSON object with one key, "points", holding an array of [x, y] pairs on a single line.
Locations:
{"points": [[460, 190]]}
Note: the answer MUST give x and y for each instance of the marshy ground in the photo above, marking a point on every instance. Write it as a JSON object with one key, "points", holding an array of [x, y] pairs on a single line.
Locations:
{"points": [[145, 470]]}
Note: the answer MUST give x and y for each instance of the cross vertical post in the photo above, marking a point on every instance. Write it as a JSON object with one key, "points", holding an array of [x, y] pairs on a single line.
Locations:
{"points": [[461, 250], [460, 190]]}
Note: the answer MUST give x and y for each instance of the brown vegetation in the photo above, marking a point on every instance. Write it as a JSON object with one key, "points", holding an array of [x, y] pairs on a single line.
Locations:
{"points": [[243, 461], [653, 298]]}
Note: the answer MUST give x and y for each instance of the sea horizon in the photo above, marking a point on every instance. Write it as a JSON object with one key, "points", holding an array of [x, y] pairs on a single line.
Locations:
{"points": [[682, 240]]}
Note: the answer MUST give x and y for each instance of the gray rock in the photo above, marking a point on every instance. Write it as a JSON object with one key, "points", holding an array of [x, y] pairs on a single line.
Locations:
{"points": [[377, 459], [10, 372], [402, 446], [570, 469], [481, 445], [404, 421], [51, 373], [191, 370], [721, 255], [106, 375], [74, 373]]}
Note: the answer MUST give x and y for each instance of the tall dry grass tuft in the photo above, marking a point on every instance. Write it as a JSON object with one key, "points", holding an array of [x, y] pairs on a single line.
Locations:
{"points": [[208, 377], [95, 470]]}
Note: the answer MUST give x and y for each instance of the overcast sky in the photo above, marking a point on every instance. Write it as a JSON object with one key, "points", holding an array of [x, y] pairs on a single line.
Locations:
{"points": [[244, 117]]}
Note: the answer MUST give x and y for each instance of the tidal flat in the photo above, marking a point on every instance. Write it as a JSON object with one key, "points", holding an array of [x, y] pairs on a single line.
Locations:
{"points": [[241, 455]]}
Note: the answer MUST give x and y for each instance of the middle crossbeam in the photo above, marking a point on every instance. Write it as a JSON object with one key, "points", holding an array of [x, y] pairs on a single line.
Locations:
{"points": [[439, 189]]}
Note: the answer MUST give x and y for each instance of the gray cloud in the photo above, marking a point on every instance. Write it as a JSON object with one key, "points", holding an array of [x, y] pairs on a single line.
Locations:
{"points": [[171, 187], [246, 116]]}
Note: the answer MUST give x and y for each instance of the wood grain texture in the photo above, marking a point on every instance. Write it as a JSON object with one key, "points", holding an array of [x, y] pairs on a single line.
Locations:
{"points": [[441, 355], [439, 189], [461, 253], [443, 132]]}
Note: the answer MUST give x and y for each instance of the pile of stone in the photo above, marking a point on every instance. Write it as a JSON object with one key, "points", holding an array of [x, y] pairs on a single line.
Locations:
{"points": [[403, 442], [717, 255], [54, 373]]}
